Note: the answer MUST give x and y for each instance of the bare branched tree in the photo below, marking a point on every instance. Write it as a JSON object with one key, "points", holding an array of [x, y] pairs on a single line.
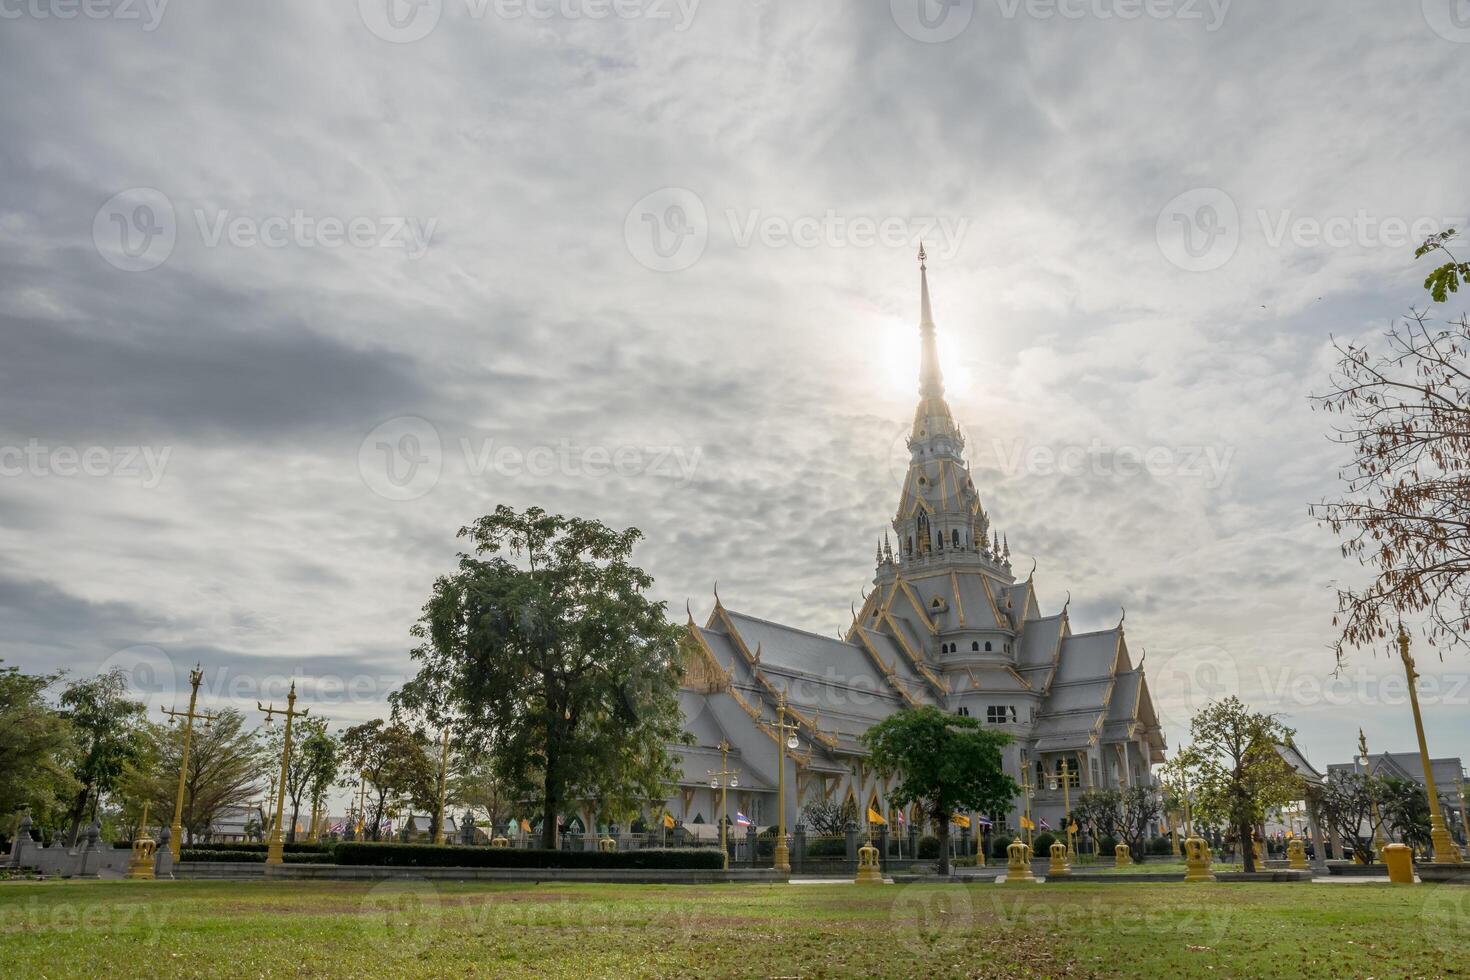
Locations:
{"points": [[1405, 513]]}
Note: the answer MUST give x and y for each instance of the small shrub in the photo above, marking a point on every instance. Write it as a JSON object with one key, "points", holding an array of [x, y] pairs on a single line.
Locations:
{"points": [[826, 847], [928, 847], [999, 846], [1042, 842]]}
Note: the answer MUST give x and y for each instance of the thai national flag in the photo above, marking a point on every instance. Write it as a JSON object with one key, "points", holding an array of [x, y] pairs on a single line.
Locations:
{"points": [[742, 819], [1044, 824], [986, 823], [336, 828], [901, 820]]}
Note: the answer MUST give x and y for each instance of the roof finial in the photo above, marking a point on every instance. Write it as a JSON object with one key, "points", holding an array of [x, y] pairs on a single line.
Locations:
{"points": [[1124, 616], [690, 611], [1067, 603], [717, 595], [1031, 574], [922, 257]]}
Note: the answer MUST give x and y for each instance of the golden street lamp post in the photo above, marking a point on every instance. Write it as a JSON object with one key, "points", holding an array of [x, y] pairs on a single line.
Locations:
{"points": [[1365, 760], [196, 677], [275, 853], [1464, 827], [1445, 851], [443, 775], [1027, 791], [1066, 780], [723, 780], [785, 739]]}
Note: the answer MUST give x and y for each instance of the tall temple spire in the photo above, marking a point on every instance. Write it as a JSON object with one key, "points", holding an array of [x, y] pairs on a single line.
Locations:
{"points": [[931, 380], [932, 417]]}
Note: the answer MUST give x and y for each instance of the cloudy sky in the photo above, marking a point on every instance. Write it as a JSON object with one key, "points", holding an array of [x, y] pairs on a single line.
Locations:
{"points": [[289, 292]]}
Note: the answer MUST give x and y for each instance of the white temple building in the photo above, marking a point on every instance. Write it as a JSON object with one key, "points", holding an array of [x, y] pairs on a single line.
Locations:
{"points": [[946, 623]]}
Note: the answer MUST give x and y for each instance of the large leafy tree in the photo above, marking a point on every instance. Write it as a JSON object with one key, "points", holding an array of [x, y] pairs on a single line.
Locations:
{"points": [[944, 763], [1406, 811], [311, 769], [1242, 775], [225, 762], [108, 731], [1405, 510], [545, 653], [36, 748], [394, 760]]}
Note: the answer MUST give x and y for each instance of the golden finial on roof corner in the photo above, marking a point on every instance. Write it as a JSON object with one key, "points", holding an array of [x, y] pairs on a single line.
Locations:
{"points": [[1066, 604], [1033, 569], [717, 595], [1123, 617], [922, 257], [690, 611]]}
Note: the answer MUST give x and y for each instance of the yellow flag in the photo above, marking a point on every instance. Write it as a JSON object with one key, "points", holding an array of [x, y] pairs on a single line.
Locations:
{"points": [[960, 820], [875, 817], [525, 825], [1073, 828], [1026, 824], [669, 821]]}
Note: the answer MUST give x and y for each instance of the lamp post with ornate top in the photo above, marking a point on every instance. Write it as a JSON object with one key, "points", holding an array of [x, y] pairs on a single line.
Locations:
{"points": [[785, 739], [1445, 851], [196, 677], [275, 853]]}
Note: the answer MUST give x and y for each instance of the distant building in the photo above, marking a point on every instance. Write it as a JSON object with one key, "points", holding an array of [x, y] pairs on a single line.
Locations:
{"points": [[1449, 780], [946, 623]]}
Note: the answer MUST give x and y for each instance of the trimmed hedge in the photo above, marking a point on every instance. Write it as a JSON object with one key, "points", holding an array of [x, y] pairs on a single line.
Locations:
{"points": [[433, 856], [252, 857], [301, 847]]}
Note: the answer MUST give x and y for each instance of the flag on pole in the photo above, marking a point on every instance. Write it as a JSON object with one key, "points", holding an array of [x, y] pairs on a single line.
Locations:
{"points": [[875, 817], [336, 828], [1027, 823], [1044, 824], [525, 825], [960, 820], [669, 821], [986, 823], [898, 814], [742, 819]]}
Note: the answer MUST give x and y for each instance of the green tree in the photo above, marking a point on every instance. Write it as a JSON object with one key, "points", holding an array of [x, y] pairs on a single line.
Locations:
{"points": [[1241, 773], [550, 658], [1406, 811], [108, 729], [1344, 803], [36, 746], [1101, 811], [1140, 808], [311, 769], [225, 762], [394, 759], [944, 763], [828, 818]]}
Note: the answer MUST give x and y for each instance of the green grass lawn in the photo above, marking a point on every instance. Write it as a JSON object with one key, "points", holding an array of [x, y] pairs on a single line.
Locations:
{"points": [[258, 929]]}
